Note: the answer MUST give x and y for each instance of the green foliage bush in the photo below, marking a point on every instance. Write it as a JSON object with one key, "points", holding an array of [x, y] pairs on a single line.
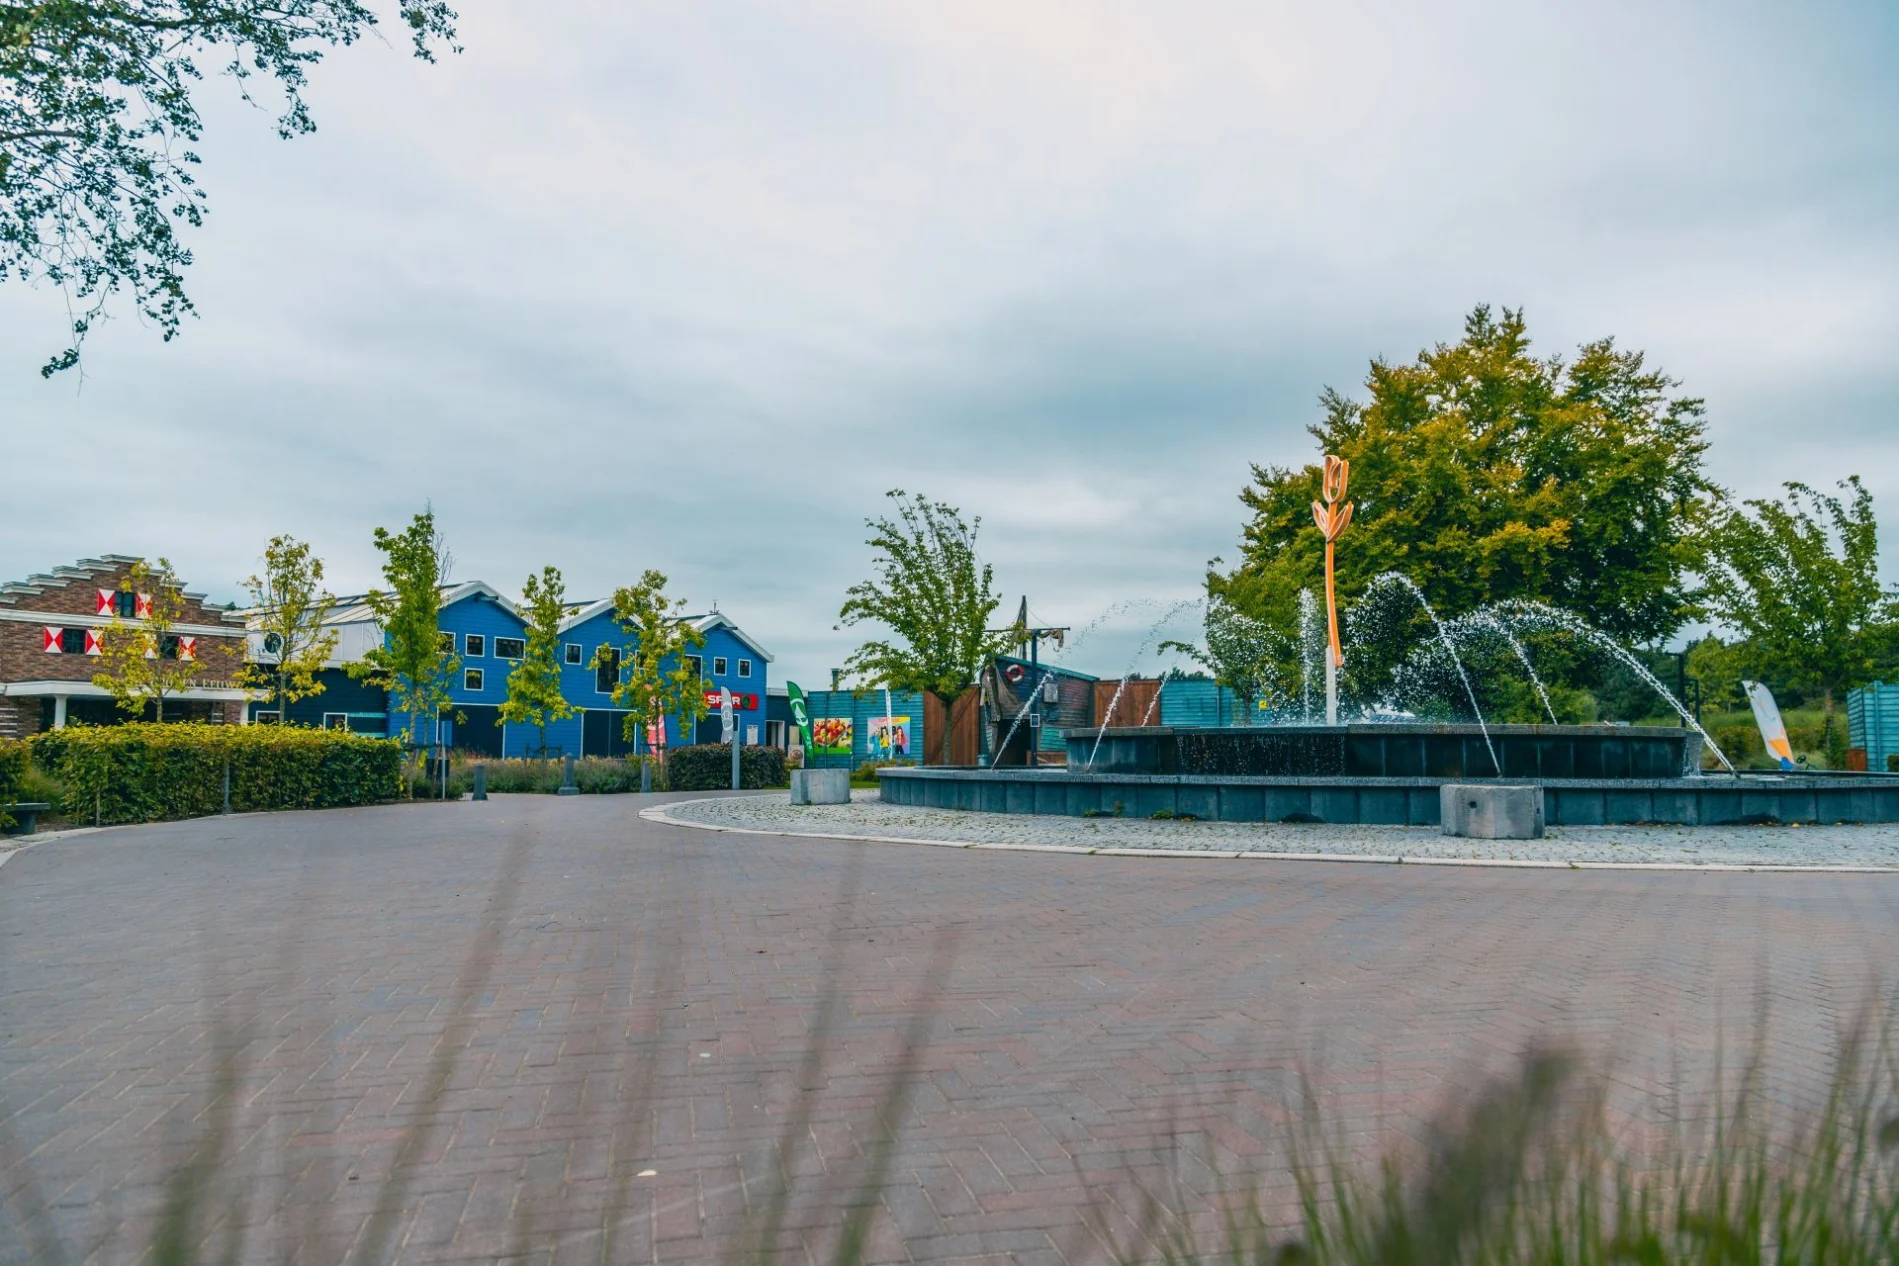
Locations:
{"points": [[708, 767], [594, 776], [14, 756], [151, 773]]}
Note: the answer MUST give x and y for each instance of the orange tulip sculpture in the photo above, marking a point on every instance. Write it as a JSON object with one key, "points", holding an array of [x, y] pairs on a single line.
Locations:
{"points": [[1332, 515]]}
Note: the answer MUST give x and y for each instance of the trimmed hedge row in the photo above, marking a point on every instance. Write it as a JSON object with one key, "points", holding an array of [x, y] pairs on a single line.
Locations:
{"points": [[708, 767], [151, 773], [13, 762]]}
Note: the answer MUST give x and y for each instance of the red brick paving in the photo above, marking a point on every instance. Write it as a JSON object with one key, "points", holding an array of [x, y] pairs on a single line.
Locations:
{"points": [[643, 997]]}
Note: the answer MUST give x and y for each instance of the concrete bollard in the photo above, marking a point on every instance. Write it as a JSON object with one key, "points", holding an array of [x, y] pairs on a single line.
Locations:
{"points": [[567, 787], [481, 782], [820, 786], [1491, 811]]}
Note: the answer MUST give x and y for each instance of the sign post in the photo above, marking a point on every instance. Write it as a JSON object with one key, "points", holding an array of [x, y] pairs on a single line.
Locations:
{"points": [[730, 724]]}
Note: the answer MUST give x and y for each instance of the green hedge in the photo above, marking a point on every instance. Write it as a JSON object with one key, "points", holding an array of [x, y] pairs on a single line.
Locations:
{"points": [[150, 773], [708, 767], [13, 762]]}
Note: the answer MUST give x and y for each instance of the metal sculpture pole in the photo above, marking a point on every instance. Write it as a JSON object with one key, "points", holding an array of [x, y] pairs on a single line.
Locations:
{"points": [[1332, 515]]}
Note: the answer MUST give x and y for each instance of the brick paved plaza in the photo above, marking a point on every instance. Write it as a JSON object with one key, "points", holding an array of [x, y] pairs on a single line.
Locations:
{"points": [[601, 996]]}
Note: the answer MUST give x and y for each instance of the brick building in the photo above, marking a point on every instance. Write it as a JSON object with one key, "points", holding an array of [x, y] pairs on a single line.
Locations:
{"points": [[49, 629]]}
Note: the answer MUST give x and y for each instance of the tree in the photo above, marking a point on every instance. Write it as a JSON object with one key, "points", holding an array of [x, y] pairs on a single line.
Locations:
{"points": [[98, 122], [933, 593], [1799, 580], [655, 681], [1248, 657], [534, 693], [141, 660], [1484, 474], [292, 606], [416, 661]]}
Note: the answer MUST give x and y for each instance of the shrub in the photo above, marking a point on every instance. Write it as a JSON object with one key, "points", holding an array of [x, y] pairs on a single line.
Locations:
{"points": [[150, 773], [867, 772], [594, 776], [13, 768], [708, 767]]}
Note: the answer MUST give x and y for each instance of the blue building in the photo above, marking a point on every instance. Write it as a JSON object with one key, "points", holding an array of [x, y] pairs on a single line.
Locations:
{"points": [[487, 632]]}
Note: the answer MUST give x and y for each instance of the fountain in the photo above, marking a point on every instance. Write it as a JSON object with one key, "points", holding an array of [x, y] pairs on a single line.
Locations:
{"points": [[1386, 767]]}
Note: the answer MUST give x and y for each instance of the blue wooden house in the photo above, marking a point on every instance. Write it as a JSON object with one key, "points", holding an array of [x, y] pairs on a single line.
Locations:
{"points": [[487, 632]]}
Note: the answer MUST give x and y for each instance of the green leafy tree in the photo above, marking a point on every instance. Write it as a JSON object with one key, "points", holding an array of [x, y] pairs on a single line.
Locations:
{"points": [[654, 680], [1484, 474], [1247, 656], [933, 592], [99, 120], [141, 661], [534, 693], [1798, 579], [291, 608], [416, 662]]}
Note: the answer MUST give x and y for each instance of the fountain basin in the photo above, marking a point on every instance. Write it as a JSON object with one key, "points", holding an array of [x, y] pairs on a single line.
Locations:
{"points": [[1389, 801], [1457, 753]]}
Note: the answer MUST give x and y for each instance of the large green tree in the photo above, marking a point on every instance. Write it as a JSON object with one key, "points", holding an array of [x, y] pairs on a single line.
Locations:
{"points": [[934, 593], [534, 694], [416, 662], [1484, 473], [99, 120], [1798, 579]]}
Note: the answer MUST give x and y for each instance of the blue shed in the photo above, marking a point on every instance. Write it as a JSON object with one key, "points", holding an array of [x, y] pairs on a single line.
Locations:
{"points": [[1872, 723]]}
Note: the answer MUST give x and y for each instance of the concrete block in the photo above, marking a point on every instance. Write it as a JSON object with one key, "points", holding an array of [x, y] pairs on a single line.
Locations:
{"points": [[820, 786], [1491, 811]]}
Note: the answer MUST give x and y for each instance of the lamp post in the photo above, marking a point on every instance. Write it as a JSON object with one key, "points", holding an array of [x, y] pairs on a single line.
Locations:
{"points": [[1332, 516]]}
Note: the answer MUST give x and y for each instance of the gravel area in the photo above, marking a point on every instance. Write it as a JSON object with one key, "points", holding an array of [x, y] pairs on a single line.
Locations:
{"points": [[867, 817]]}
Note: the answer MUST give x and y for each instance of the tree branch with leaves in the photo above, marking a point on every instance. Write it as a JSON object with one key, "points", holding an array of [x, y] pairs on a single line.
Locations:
{"points": [[534, 693], [416, 662], [291, 607], [932, 591], [141, 660], [653, 679], [99, 117]]}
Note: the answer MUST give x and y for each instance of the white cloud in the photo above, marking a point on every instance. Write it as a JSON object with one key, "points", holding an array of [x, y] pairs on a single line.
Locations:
{"points": [[690, 286]]}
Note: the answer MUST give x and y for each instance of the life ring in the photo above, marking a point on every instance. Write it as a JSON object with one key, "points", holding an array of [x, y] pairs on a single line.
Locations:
{"points": [[1015, 672]]}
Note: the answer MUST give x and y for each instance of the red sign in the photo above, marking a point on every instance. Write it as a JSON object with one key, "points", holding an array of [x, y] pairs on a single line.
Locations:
{"points": [[740, 703]]}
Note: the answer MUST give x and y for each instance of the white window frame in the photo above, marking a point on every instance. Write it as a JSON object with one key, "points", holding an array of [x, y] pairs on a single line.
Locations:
{"points": [[745, 668], [474, 645], [512, 659], [572, 656], [720, 665], [480, 683], [616, 668]]}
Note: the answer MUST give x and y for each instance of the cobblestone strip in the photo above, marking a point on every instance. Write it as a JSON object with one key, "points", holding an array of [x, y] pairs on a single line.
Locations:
{"points": [[1836, 849]]}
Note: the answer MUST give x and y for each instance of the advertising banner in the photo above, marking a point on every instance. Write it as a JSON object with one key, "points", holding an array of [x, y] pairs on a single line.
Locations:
{"points": [[1767, 716], [890, 738], [799, 716], [831, 736]]}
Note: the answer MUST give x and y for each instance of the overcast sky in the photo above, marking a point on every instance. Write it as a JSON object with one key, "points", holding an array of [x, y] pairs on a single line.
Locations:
{"points": [[689, 286]]}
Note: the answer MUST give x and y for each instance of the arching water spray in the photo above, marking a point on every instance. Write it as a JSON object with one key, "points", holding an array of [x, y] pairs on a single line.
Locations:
{"points": [[1527, 610], [1311, 646], [1489, 620], [1139, 652], [1444, 638]]}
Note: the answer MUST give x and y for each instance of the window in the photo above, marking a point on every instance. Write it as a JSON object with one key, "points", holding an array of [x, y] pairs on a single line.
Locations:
{"points": [[266, 718], [448, 643], [606, 670], [125, 604], [745, 668], [510, 648], [718, 665], [336, 720], [471, 679], [695, 666], [573, 653], [474, 645], [72, 641], [168, 646]]}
